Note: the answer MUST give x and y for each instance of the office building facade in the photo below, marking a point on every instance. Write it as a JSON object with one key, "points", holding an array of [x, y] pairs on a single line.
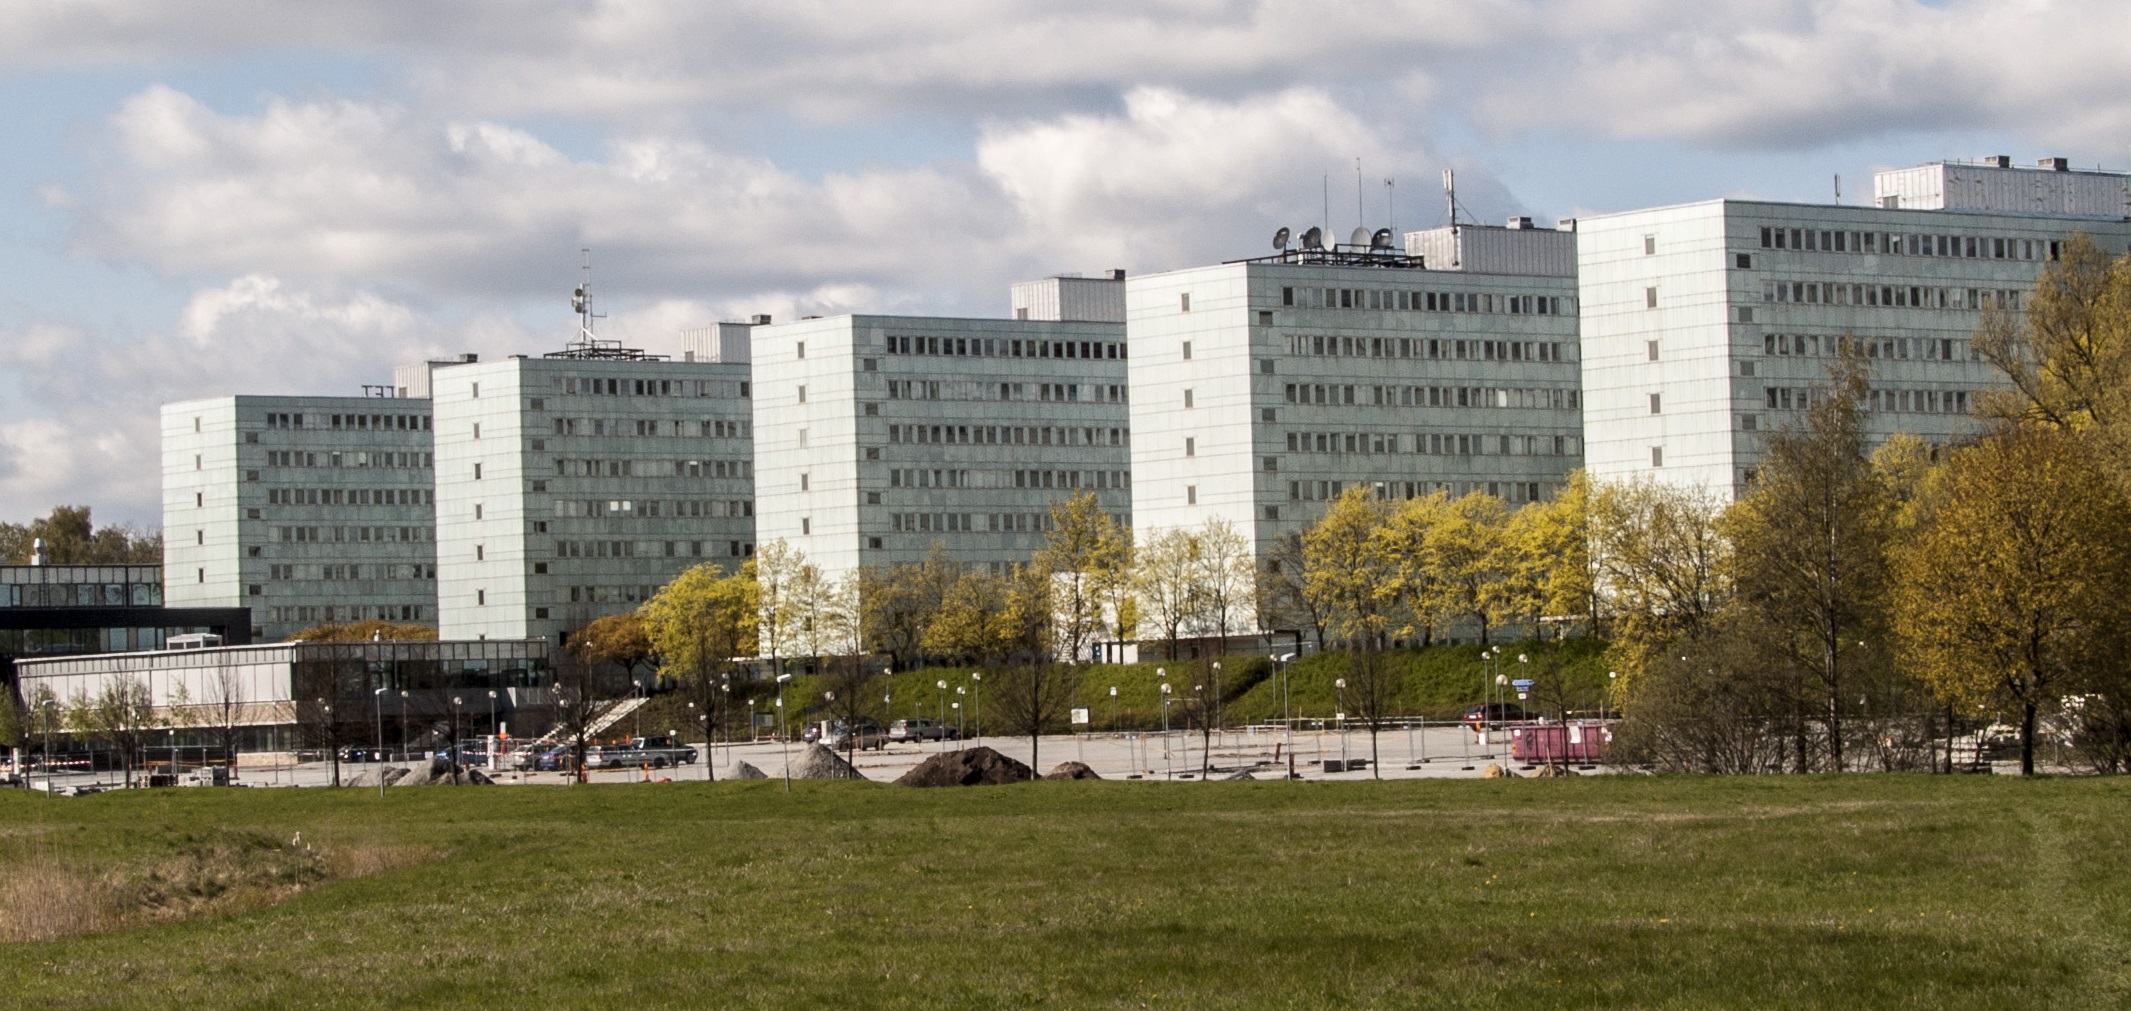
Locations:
{"points": [[1708, 326], [574, 487], [881, 436], [1263, 389], [307, 510]]}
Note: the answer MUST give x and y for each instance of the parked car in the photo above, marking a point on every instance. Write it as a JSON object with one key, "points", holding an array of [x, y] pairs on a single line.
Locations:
{"points": [[656, 752], [1495, 714], [554, 758], [868, 737], [919, 729]]}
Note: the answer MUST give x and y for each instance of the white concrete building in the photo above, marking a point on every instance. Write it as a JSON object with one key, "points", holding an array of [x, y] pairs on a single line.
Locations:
{"points": [[304, 509], [1262, 389], [1071, 297], [574, 487], [880, 436], [1706, 325]]}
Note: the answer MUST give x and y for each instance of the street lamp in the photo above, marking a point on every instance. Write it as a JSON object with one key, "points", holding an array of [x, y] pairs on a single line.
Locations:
{"points": [[784, 741], [1342, 686], [377, 700], [959, 690], [943, 716], [403, 725], [1287, 719], [1165, 723], [1612, 679], [976, 679], [494, 730], [48, 708]]}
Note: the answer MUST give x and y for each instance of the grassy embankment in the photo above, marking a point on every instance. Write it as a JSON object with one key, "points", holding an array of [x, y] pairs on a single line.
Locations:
{"points": [[1861, 891], [1437, 683]]}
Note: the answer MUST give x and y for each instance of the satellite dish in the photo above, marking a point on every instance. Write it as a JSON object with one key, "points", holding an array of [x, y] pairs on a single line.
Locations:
{"points": [[1360, 238], [1280, 239], [1380, 240], [1313, 239]]}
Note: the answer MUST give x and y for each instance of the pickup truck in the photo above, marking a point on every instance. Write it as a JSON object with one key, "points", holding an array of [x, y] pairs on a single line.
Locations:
{"points": [[656, 752]]}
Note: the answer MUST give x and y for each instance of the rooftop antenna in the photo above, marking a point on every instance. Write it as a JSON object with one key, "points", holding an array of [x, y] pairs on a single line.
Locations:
{"points": [[1328, 203], [1450, 196], [1838, 187], [1361, 217], [1391, 201], [581, 303]]}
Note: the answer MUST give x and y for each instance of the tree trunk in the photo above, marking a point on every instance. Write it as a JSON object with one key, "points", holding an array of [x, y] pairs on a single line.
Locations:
{"points": [[1834, 679], [2027, 739]]}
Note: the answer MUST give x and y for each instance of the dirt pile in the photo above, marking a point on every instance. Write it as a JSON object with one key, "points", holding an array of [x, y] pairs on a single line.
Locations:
{"points": [[1496, 771], [742, 770], [1071, 770], [1552, 771], [968, 767], [818, 762]]}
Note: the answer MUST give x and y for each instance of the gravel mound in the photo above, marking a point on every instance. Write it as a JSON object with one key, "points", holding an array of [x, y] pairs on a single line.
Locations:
{"points": [[968, 767], [742, 770], [1496, 771], [1071, 770], [818, 762]]}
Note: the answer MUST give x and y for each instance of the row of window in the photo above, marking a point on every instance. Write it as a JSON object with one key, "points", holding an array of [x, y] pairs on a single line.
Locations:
{"points": [[310, 614], [351, 572], [652, 427], [1532, 398], [565, 467], [1426, 301], [81, 594], [967, 389], [981, 523], [600, 386], [350, 496], [1430, 443], [655, 508], [352, 535], [358, 422], [1927, 349], [1445, 349], [999, 347], [1513, 492], [1973, 247], [1908, 296], [1007, 435], [1097, 480], [349, 458], [645, 549]]}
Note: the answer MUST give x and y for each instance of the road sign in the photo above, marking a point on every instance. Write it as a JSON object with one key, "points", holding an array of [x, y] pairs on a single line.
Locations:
{"points": [[1521, 684], [1079, 715], [1520, 696]]}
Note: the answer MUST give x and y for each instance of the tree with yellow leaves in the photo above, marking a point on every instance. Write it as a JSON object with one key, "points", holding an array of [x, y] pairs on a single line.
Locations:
{"points": [[1351, 571], [2018, 581], [700, 624]]}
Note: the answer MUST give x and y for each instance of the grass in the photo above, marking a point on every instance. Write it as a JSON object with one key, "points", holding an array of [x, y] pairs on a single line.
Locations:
{"points": [[1880, 891]]}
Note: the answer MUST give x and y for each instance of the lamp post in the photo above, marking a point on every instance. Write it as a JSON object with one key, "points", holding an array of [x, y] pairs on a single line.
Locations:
{"points": [[1218, 721], [458, 749], [959, 691], [47, 708], [494, 730], [1287, 720], [1170, 759], [784, 742], [1342, 685], [1612, 679], [377, 700], [976, 681], [403, 724], [943, 716], [332, 741], [1113, 709]]}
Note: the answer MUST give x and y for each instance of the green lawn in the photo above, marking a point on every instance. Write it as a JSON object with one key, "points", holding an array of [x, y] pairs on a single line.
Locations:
{"points": [[1863, 891]]}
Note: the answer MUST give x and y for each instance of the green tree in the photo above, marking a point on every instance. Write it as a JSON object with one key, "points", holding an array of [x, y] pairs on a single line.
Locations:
{"points": [[1284, 600], [1471, 560], [900, 601], [120, 714], [1661, 568], [2067, 354], [2017, 583], [1352, 572], [366, 631], [71, 539], [1403, 541], [1809, 541], [1165, 582], [1550, 542], [778, 572], [623, 640], [1084, 553], [700, 624]]}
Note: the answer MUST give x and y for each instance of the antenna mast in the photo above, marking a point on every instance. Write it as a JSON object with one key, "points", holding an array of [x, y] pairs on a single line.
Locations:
{"points": [[1391, 202], [1361, 218], [588, 344], [1450, 194]]}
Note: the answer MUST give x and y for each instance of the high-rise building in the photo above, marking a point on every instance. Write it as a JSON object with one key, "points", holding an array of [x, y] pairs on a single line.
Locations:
{"points": [[573, 486], [881, 436], [1263, 388], [1706, 326], [307, 510]]}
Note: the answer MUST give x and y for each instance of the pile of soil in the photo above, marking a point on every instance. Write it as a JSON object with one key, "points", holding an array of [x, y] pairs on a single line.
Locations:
{"points": [[1552, 771], [1496, 771], [818, 762], [968, 767], [742, 770], [1071, 770]]}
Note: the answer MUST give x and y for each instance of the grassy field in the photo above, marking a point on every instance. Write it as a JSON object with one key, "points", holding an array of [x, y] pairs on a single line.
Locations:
{"points": [[1863, 891], [1438, 682]]}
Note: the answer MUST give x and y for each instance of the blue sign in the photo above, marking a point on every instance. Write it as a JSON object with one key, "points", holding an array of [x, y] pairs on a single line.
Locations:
{"points": [[1522, 684]]}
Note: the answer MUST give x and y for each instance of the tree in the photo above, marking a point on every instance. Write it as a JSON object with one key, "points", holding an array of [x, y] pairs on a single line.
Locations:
{"points": [[2018, 580], [1224, 579], [367, 631], [1550, 542], [2067, 356], [1350, 570], [223, 709], [14, 725], [1085, 553], [1034, 690], [120, 713], [1660, 567], [583, 692], [1708, 702], [1284, 600], [778, 567], [71, 539], [971, 625], [623, 640], [699, 624], [1809, 539], [900, 601], [1165, 581], [1470, 559]]}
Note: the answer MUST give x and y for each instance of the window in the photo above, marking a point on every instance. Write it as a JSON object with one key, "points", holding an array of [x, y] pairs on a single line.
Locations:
{"points": [[1746, 369], [802, 394], [1749, 422], [477, 429], [1265, 366], [1187, 345], [1657, 456], [1187, 400], [1746, 314], [1265, 317], [806, 524], [199, 500], [1184, 302], [1746, 261], [477, 396], [1191, 494], [1651, 346], [803, 482], [1272, 464], [477, 472], [1649, 298], [195, 424], [1657, 403], [481, 598], [875, 542], [540, 568], [480, 553], [1191, 446], [801, 347], [1649, 245]]}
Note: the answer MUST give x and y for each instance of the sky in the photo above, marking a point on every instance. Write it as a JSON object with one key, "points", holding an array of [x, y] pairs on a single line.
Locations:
{"points": [[207, 197]]}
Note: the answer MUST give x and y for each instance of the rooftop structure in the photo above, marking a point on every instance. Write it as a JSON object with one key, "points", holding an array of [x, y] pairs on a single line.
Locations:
{"points": [[2052, 188]]}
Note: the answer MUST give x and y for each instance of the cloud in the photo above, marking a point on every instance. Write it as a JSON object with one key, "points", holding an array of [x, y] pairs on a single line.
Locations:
{"points": [[1719, 72]]}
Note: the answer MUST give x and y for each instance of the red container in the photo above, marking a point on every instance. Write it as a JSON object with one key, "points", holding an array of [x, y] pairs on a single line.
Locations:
{"points": [[1582, 742]]}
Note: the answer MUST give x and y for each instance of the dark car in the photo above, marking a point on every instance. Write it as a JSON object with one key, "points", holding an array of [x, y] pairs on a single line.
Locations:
{"points": [[560, 758], [1495, 714]]}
